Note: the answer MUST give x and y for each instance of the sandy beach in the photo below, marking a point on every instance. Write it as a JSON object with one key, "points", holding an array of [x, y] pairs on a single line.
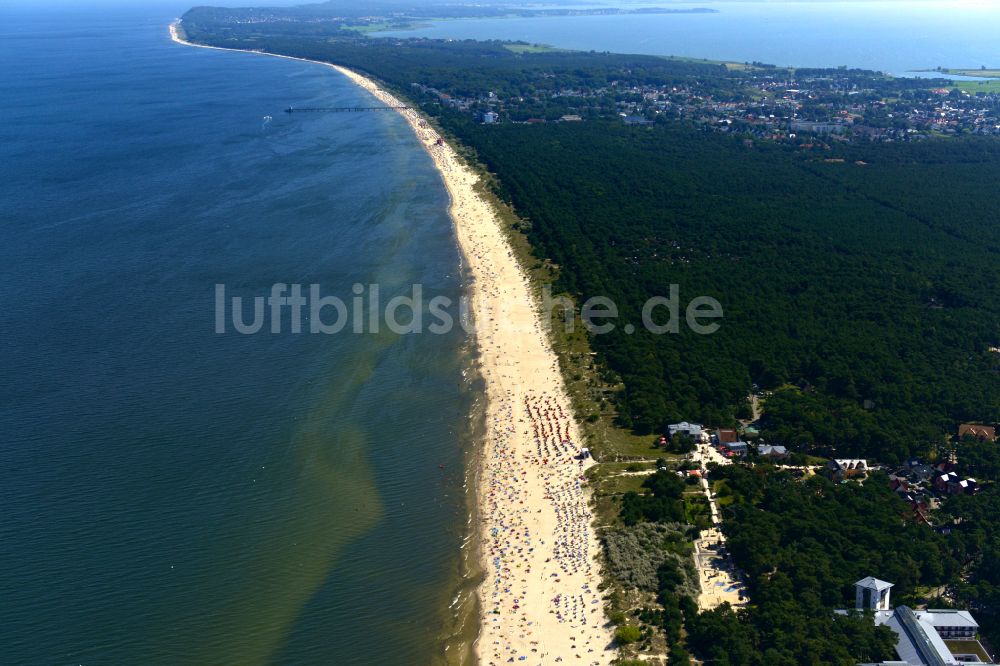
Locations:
{"points": [[539, 599]]}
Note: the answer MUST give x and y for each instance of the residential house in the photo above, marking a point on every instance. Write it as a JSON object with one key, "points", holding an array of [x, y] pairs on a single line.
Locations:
{"points": [[963, 487], [981, 432], [847, 468], [736, 448], [768, 451], [693, 430], [920, 473], [636, 120], [726, 435], [941, 481], [952, 484]]}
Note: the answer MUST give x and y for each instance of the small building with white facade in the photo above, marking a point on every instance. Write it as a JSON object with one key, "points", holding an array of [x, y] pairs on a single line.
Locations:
{"points": [[875, 591], [694, 430], [768, 451]]}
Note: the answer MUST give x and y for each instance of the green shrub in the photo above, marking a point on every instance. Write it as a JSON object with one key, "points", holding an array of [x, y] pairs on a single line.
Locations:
{"points": [[679, 657], [635, 553], [628, 633]]}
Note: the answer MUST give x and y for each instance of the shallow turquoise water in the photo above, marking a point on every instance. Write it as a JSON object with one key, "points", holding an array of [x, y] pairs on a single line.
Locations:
{"points": [[170, 495]]}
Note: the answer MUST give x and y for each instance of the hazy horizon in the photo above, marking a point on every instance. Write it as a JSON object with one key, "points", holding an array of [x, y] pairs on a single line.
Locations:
{"points": [[74, 4]]}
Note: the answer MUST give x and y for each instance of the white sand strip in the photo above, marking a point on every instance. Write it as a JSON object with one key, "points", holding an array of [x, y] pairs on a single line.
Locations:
{"points": [[540, 602]]}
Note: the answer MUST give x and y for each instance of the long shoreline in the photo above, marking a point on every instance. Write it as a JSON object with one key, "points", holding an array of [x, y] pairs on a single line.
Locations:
{"points": [[539, 601]]}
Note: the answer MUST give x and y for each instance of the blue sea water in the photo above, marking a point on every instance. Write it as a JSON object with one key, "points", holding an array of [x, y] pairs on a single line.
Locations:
{"points": [[169, 495], [893, 36]]}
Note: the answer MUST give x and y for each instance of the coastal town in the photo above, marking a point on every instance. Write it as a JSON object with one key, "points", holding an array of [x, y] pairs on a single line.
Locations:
{"points": [[760, 102]]}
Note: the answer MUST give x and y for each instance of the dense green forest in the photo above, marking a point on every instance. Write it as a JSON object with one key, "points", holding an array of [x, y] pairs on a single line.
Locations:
{"points": [[855, 283], [977, 533], [873, 289], [460, 67], [780, 633], [802, 545], [823, 536]]}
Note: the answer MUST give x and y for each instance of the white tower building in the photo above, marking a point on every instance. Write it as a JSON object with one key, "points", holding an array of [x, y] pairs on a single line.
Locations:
{"points": [[878, 591]]}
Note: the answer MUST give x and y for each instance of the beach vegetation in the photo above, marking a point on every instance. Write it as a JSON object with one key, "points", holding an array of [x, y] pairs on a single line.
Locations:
{"points": [[636, 557], [678, 657], [617, 617], [628, 633]]}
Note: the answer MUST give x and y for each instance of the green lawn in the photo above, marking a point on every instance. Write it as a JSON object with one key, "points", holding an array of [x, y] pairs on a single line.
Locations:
{"points": [[601, 473], [609, 484], [968, 647], [731, 66], [988, 86], [696, 507], [619, 485], [983, 73], [618, 443]]}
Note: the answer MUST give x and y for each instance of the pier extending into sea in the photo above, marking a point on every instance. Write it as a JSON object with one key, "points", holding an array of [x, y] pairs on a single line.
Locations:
{"points": [[344, 109]]}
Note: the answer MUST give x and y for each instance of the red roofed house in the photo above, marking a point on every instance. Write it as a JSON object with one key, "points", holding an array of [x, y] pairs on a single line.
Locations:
{"points": [[727, 435], [941, 482], [981, 432]]}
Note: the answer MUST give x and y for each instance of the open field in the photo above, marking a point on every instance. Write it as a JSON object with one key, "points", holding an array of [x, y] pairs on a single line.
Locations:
{"points": [[989, 83], [977, 72], [986, 86], [619, 485]]}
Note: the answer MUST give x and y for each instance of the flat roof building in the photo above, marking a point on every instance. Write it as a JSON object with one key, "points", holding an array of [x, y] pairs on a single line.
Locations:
{"points": [[684, 428], [920, 634]]}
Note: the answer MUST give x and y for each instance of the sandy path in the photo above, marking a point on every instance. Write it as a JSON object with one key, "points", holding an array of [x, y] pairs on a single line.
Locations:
{"points": [[717, 576], [539, 599]]}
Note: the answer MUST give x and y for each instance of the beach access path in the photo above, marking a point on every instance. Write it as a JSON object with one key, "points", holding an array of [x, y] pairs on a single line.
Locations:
{"points": [[717, 576]]}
